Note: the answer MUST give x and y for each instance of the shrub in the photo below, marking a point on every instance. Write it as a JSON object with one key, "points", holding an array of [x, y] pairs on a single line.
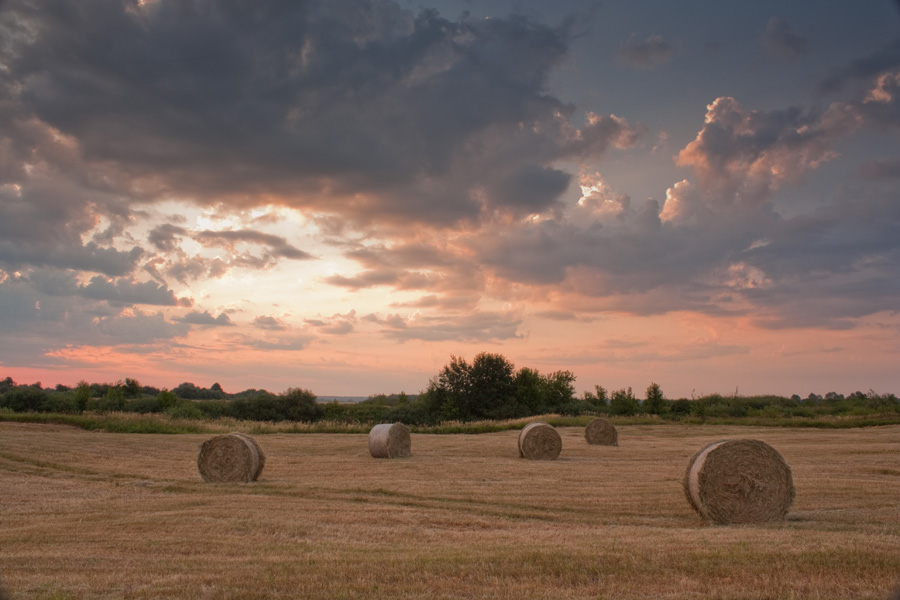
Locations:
{"points": [[144, 405], [623, 403], [185, 409], [24, 398]]}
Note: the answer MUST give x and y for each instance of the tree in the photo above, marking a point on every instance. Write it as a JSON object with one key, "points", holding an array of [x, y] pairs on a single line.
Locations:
{"points": [[623, 402], [166, 399], [654, 401], [297, 404], [24, 398], [131, 389], [559, 389], [483, 390], [82, 395]]}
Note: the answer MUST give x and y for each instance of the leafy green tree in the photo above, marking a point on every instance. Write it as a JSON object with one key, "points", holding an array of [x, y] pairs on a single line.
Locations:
{"points": [[113, 400], [24, 398], [654, 401], [623, 402], [131, 388], [166, 399], [297, 404], [529, 388], [6, 385], [82, 395], [482, 390], [559, 389]]}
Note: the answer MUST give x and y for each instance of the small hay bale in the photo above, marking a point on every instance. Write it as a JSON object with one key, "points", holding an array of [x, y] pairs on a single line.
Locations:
{"points": [[601, 432], [230, 457], [389, 440], [739, 481], [539, 441]]}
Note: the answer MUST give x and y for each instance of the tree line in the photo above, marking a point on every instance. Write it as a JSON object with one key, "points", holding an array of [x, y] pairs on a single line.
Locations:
{"points": [[487, 388]]}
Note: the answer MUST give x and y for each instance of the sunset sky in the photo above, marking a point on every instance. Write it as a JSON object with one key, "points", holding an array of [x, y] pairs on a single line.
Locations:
{"points": [[341, 194]]}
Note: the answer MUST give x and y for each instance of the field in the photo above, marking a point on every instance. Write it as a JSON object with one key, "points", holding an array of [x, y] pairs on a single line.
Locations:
{"points": [[101, 515]]}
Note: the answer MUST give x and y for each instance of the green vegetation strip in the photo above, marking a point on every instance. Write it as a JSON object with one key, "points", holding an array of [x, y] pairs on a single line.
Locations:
{"points": [[164, 424]]}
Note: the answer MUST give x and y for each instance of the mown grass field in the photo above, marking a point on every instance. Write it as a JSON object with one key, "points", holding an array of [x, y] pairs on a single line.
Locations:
{"points": [[86, 514]]}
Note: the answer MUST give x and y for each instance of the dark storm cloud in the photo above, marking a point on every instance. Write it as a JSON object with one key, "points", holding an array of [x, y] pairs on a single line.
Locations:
{"points": [[865, 68], [42, 225], [357, 108], [647, 53], [782, 41]]}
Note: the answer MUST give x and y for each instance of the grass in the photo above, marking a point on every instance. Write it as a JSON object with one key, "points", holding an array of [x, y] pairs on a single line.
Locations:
{"points": [[130, 422], [89, 514]]}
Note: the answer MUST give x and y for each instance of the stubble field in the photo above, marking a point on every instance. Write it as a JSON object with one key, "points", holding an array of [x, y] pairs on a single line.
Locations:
{"points": [[101, 515]]}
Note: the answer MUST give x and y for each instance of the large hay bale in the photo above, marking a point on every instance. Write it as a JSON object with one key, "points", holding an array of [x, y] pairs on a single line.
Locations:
{"points": [[230, 457], [539, 441], [389, 440], [601, 432], [739, 481]]}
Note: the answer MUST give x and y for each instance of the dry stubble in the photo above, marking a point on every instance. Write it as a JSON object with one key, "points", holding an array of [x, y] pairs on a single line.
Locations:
{"points": [[98, 515]]}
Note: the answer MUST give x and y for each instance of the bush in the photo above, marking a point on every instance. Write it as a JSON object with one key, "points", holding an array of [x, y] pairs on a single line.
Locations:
{"points": [[144, 405], [24, 398], [185, 409], [60, 402], [623, 403], [680, 407]]}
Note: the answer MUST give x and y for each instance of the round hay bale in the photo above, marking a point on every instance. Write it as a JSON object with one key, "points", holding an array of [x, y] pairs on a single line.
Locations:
{"points": [[739, 481], [229, 458], [539, 441], [389, 440], [601, 432]]}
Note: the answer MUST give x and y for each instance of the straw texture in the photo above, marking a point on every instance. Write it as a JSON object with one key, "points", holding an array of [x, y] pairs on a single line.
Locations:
{"points": [[389, 440], [539, 441], [739, 481], [233, 457], [601, 432]]}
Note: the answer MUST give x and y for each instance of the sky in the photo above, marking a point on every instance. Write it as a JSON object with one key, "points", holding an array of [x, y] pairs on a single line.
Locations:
{"points": [[341, 195]]}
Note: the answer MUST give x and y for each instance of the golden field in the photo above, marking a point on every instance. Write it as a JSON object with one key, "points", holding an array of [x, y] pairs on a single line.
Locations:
{"points": [[102, 515]]}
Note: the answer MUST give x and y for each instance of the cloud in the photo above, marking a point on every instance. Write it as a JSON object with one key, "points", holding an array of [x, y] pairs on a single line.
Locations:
{"points": [[290, 342], [880, 107], [336, 324], [137, 328], [128, 292], [269, 323], [741, 157], [278, 246], [782, 41], [358, 109], [866, 68], [884, 168], [205, 319], [175, 262], [473, 327], [648, 53], [41, 312], [37, 229]]}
